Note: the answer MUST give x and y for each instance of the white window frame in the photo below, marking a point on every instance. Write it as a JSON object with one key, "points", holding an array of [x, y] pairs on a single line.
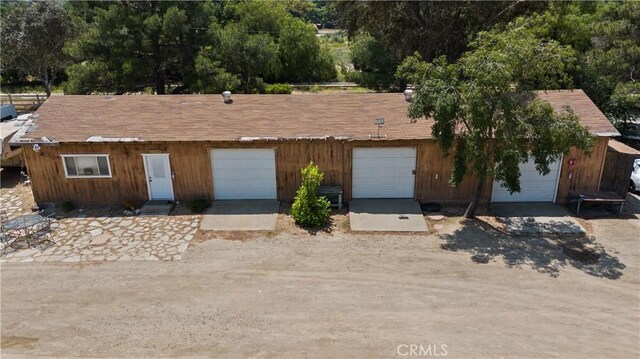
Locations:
{"points": [[66, 173]]}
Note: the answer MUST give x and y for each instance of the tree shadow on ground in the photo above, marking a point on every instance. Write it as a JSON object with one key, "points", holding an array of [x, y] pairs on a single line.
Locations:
{"points": [[544, 253], [525, 225]]}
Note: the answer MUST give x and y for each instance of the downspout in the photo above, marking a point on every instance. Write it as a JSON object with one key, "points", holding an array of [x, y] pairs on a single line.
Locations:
{"points": [[343, 169]]}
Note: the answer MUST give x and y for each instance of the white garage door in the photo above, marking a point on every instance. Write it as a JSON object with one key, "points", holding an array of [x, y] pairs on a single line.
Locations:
{"points": [[244, 174], [383, 172], [534, 187]]}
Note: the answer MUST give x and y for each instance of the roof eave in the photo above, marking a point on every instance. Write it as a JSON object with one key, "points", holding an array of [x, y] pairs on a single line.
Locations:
{"points": [[607, 134]]}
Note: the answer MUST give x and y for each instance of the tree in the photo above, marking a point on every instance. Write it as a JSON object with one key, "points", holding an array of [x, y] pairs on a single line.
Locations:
{"points": [[302, 57], [300, 54], [431, 28], [308, 209], [131, 45], [485, 110], [33, 37], [236, 53], [610, 68], [258, 42], [375, 64], [606, 36]]}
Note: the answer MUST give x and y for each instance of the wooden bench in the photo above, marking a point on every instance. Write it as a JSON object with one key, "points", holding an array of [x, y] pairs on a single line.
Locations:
{"points": [[596, 197], [333, 194]]}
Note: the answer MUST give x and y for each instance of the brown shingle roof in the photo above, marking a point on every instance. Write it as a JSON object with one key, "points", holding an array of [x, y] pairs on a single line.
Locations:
{"points": [[590, 115], [622, 148], [208, 118]]}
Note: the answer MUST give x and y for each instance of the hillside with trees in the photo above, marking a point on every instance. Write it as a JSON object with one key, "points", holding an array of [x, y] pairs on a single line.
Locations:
{"points": [[84, 47], [605, 37], [164, 46]]}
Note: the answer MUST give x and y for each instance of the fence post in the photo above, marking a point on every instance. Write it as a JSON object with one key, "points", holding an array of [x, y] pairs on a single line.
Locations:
{"points": [[38, 99], [10, 100]]}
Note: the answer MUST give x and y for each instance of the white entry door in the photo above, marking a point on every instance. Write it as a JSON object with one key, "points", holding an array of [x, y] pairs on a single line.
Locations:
{"points": [[534, 187], [158, 171], [244, 174], [384, 172]]}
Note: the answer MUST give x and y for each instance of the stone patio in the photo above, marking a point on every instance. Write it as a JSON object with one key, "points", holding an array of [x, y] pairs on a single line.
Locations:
{"points": [[11, 203], [82, 238]]}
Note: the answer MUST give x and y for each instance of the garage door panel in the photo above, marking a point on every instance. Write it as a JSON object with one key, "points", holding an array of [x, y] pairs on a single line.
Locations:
{"points": [[534, 187], [384, 152], [383, 172], [246, 153], [239, 175], [232, 164], [244, 174]]}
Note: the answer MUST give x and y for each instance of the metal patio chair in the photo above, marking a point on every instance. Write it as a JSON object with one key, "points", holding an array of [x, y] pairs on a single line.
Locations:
{"points": [[6, 238], [48, 211]]}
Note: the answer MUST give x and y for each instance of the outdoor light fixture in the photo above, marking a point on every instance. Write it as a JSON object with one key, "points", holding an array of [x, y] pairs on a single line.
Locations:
{"points": [[36, 147]]}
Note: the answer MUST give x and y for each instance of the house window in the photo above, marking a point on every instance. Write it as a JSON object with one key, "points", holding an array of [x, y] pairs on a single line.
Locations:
{"points": [[86, 166]]}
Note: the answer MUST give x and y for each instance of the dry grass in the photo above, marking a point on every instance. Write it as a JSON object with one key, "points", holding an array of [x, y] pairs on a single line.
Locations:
{"points": [[18, 342]]}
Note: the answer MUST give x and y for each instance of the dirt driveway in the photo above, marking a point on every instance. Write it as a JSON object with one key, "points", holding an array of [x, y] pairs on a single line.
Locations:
{"points": [[337, 295]]}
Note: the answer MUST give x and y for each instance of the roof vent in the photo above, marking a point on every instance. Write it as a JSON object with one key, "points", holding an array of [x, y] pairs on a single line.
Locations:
{"points": [[226, 96], [408, 94]]}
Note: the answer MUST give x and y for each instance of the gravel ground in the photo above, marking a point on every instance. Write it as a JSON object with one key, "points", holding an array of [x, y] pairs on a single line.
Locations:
{"points": [[291, 294]]}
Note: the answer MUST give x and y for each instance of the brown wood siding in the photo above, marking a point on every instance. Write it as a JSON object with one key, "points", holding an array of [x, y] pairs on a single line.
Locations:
{"points": [[191, 164], [585, 174], [617, 172], [433, 174], [292, 156]]}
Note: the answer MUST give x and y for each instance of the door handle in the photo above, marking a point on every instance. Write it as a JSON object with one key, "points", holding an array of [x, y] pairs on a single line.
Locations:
{"points": [[413, 172]]}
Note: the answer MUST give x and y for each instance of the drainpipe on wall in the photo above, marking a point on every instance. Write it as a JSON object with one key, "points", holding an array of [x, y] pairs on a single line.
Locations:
{"points": [[343, 168]]}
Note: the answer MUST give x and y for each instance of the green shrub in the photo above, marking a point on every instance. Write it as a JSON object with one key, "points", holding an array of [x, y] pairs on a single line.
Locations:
{"points": [[130, 205], [278, 89], [67, 206], [198, 205], [372, 80], [309, 210]]}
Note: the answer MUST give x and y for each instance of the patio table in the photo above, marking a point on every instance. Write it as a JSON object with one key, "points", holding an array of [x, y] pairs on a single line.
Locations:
{"points": [[23, 223]]}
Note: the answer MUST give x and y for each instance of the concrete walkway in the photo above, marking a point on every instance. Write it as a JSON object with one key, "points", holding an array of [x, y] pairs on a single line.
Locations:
{"points": [[386, 215], [246, 215], [536, 218]]}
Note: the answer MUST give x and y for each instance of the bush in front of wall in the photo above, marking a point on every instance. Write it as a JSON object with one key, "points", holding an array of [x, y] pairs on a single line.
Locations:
{"points": [[198, 205], [309, 209], [67, 206], [130, 205], [278, 89]]}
